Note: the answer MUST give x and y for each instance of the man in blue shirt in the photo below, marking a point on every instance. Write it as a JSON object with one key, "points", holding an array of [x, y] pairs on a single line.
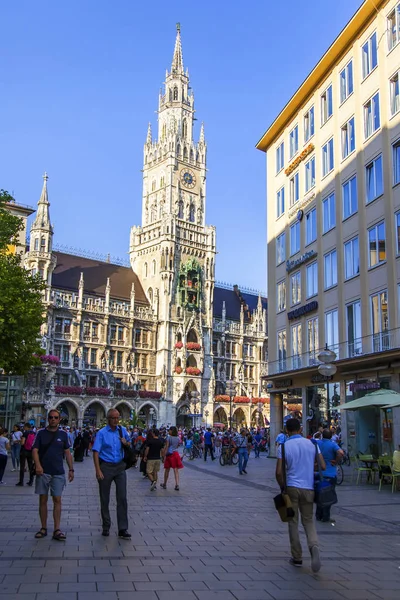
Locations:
{"points": [[108, 455], [257, 444], [331, 453], [208, 444]]}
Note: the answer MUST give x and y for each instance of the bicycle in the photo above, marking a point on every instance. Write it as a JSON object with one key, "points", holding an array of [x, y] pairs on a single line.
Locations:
{"points": [[197, 452], [339, 474], [225, 459]]}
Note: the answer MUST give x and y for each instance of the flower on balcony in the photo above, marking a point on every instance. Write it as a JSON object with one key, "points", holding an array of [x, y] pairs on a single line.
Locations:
{"points": [[152, 395], [192, 371], [262, 400], [97, 391], [241, 400], [179, 345], [49, 359], [178, 370], [221, 398], [193, 346], [68, 390], [126, 393]]}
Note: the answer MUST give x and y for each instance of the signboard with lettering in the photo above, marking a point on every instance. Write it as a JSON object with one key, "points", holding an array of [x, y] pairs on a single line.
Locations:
{"points": [[293, 264], [302, 310], [369, 385], [282, 383]]}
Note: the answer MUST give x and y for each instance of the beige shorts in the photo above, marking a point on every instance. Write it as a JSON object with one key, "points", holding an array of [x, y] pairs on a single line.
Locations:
{"points": [[153, 466]]}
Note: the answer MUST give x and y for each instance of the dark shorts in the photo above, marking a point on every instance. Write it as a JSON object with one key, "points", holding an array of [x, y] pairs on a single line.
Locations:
{"points": [[54, 483]]}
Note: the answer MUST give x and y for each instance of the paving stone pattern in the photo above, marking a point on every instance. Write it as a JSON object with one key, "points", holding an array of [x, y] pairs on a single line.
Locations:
{"points": [[219, 537]]}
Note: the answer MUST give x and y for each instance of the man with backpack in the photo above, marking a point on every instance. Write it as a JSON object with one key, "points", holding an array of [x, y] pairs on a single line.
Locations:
{"points": [[28, 438]]}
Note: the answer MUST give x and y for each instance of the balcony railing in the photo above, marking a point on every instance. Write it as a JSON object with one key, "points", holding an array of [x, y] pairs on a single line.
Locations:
{"points": [[356, 348]]}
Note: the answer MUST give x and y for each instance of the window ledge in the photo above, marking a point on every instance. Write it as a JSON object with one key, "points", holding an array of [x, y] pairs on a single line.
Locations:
{"points": [[328, 119], [394, 47], [347, 156], [331, 287], [367, 139], [374, 200], [352, 277], [370, 73], [328, 230], [306, 142], [383, 262], [349, 216], [327, 174], [347, 97]]}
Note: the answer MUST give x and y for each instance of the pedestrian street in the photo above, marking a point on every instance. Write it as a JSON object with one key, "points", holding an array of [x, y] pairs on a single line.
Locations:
{"points": [[218, 537]]}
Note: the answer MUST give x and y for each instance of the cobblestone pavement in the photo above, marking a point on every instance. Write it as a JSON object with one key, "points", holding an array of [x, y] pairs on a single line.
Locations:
{"points": [[219, 537]]}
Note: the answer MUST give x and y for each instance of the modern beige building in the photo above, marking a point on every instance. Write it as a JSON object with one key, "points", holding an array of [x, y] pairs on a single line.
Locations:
{"points": [[333, 209]]}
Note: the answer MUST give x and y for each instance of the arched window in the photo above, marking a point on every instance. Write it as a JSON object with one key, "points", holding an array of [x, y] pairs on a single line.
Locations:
{"points": [[162, 181], [146, 270], [191, 156], [178, 150], [150, 295], [191, 213], [184, 128], [153, 216], [153, 185], [185, 153], [191, 361], [170, 95], [180, 210], [43, 243], [175, 93], [164, 131], [36, 247], [154, 267], [192, 336], [179, 337]]}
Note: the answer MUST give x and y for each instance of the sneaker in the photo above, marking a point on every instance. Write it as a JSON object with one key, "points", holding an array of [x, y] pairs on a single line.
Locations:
{"points": [[30, 483], [315, 559], [245, 472], [19, 484], [163, 486], [177, 488], [295, 562], [2, 483], [124, 534], [153, 486], [105, 533], [13, 470]]}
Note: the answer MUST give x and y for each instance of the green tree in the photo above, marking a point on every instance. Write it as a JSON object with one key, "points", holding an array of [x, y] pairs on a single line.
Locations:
{"points": [[21, 307]]}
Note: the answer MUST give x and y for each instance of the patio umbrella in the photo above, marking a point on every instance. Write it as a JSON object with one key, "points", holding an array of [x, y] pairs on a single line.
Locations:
{"points": [[382, 398]]}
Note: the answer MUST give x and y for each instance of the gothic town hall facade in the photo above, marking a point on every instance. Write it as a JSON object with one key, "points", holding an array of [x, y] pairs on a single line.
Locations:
{"points": [[158, 339]]}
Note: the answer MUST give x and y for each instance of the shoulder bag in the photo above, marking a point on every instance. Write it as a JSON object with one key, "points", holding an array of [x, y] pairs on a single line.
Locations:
{"points": [[130, 457], [325, 494], [282, 501]]}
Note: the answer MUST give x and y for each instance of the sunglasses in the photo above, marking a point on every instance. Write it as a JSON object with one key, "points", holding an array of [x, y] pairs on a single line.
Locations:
{"points": [[56, 417]]}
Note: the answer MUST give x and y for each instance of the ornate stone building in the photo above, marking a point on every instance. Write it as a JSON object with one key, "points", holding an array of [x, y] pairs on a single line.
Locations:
{"points": [[159, 338]]}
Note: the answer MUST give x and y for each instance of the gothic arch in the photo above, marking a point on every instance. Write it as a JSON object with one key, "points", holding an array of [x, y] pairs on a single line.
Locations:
{"points": [[170, 95], [178, 149], [96, 401], [192, 336], [220, 415], [184, 129], [191, 213], [153, 185], [154, 267], [67, 399], [150, 295], [124, 409], [191, 361], [176, 93], [191, 155], [239, 417], [145, 269], [185, 153]]}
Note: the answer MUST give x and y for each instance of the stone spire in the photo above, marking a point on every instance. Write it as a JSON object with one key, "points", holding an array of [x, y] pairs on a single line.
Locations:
{"points": [[149, 138], [202, 138], [42, 219], [177, 59]]}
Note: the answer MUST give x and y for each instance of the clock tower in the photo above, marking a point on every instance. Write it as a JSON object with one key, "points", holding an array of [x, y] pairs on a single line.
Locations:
{"points": [[173, 251]]}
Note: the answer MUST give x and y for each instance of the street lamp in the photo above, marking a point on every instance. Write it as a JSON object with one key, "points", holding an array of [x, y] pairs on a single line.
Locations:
{"points": [[195, 395], [259, 406], [327, 369], [151, 411], [231, 391], [206, 412]]}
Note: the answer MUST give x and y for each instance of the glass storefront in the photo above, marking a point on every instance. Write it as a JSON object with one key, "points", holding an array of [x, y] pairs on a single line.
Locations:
{"points": [[322, 401], [11, 388]]}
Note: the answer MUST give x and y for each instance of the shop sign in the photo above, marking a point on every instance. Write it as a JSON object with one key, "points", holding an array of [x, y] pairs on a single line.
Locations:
{"points": [[282, 383], [370, 385], [293, 264], [300, 205], [302, 310], [299, 159], [320, 378]]}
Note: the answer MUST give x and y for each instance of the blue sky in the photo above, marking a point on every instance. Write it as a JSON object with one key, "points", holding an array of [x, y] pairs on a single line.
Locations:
{"points": [[80, 81]]}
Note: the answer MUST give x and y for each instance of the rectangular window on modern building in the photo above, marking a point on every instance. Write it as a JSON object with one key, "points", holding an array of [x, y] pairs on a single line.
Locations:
{"points": [[293, 141], [330, 269], [311, 226], [309, 168], [328, 213], [369, 53], [348, 138], [296, 345], [396, 163], [282, 350], [295, 238], [346, 81], [281, 248], [380, 322], [295, 288], [372, 119], [351, 258], [374, 179], [280, 202], [309, 124], [353, 318], [312, 280], [281, 296], [327, 157], [280, 157], [332, 329], [376, 245], [393, 24], [394, 94], [349, 195], [312, 340], [326, 105], [294, 189]]}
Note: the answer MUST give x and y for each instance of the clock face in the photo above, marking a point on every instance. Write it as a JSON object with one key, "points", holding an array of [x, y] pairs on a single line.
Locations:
{"points": [[188, 178]]}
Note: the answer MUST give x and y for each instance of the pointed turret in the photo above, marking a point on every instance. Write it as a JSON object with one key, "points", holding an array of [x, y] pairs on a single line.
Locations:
{"points": [[149, 137], [177, 59], [202, 139], [42, 219]]}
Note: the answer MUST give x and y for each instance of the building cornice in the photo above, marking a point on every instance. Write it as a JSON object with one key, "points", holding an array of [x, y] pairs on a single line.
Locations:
{"points": [[341, 44]]}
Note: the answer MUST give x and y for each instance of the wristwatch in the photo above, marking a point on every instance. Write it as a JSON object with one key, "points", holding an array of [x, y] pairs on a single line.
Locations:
{"points": [[72, 469]]}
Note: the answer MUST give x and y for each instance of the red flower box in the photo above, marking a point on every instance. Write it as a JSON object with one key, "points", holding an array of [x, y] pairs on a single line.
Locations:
{"points": [[96, 391], [262, 400], [69, 390], [222, 398], [178, 370], [193, 346], [192, 371], [179, 345], [152, 395], [49, 359], [241, 400]]}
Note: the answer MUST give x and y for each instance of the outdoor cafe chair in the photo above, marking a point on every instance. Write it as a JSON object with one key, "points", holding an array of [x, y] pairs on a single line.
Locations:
{"points": [[385, 469], [360, 468]]}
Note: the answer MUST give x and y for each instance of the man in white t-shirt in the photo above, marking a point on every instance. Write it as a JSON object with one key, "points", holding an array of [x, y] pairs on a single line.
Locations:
{"points": [[300, 454]]}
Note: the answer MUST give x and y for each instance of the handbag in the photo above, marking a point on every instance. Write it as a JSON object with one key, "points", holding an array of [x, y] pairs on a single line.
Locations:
{"points": [[282, 501], [130, 457], [325, 493]]}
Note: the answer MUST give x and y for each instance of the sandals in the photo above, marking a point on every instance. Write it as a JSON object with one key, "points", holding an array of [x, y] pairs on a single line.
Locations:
{"points": [[41, 533], [59, 536], [163, 485], [177, 488]]}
